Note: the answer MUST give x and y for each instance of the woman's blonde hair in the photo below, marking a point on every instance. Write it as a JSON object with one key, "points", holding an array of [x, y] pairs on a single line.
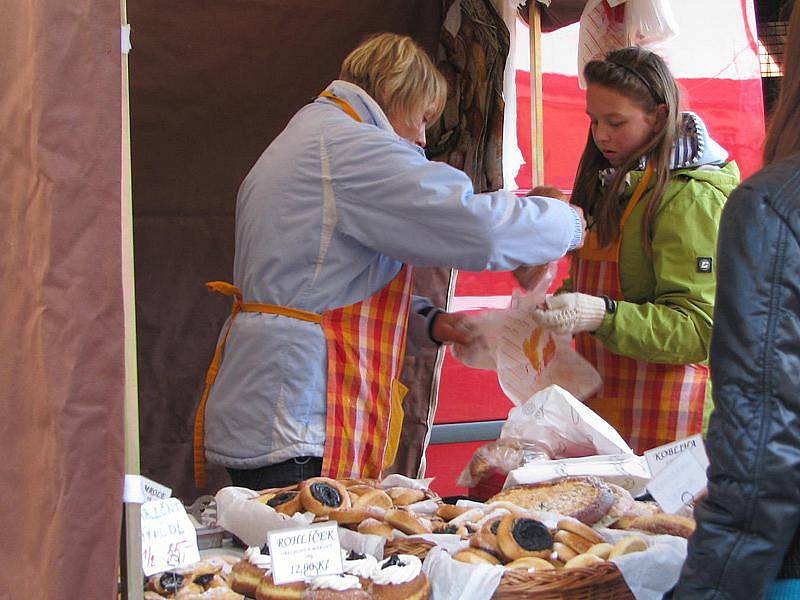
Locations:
{"points": [[398, 74], [643, 77], [783, 133]]}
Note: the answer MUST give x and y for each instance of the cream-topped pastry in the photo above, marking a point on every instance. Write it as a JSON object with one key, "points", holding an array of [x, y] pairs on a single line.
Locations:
{"points": [[336, 582], [254, 557], [360, 565], [397, 569]]}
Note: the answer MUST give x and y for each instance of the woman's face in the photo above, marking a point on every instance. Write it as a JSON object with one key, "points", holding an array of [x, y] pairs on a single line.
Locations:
{"points": [[620, 126], [410, 128]]}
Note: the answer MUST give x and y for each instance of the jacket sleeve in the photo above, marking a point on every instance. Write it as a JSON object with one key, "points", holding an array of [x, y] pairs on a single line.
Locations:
{"points": [[675, 327], [746, 524], [392, 199]]}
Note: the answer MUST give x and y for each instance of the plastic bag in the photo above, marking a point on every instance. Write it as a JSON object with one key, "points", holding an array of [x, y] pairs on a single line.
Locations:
{"points": [[649, 22], [502, 455]]}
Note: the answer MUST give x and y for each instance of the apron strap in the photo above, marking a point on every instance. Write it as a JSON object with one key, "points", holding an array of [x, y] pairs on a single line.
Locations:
{"points": [[227, 289], [345, 106]]}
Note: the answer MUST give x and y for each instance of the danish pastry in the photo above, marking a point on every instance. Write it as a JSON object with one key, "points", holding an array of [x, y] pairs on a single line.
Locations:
{"points": [[520, 536], [321, 495], [400, 577]]}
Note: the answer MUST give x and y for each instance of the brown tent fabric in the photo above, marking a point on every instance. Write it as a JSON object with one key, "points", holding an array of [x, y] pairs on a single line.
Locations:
{"points": [[212, 83], [559, 14], [62, 373]]}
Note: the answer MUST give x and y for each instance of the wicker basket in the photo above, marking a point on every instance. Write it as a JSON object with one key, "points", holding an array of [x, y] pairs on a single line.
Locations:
{"points": [[600, 582]]}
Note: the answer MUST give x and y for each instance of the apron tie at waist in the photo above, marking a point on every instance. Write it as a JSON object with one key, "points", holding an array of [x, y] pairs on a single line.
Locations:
{"points": [[228, 289]]}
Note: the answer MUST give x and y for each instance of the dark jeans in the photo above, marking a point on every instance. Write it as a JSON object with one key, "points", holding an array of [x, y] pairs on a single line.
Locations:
{"points": [[282, 474]]}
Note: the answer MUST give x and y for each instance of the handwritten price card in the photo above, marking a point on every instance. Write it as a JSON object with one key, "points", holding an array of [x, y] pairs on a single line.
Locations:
{"points": [[304, 553], [169, 539]]}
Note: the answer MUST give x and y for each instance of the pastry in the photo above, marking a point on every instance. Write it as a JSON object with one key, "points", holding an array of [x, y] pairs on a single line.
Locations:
{"points": [[450, 511], [218, 593], [359, 565], [321, 495], [168, 582], [665, 524], [564, 552], [403, 496], [602, 550], [637, 509], [287, 503], [336, 587], [400, 577], [268, 590], [623, 504], [375, 527], [406, 521], [247, 573], [580, 529], [373, 498], [628, 545], [520, 536], [476, 556], [354, 516], [531, 563], [583, 560], [442, 527], [584, 498], [574, 541], [486, 537]]}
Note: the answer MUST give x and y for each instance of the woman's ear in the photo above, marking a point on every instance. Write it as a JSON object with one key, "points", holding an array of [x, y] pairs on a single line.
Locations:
{"points": [[661, 118]]}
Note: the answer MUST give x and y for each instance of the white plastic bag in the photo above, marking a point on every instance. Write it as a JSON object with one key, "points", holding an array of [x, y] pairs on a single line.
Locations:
{"points": [[649, 22]]}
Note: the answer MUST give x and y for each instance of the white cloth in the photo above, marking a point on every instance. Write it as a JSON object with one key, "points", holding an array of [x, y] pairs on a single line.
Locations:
{"points": [[325, 218], [600, 32]]}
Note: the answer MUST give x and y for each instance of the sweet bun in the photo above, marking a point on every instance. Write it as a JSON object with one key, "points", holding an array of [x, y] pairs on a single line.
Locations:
{"points": [[400, 577], [268, 590], [665, 524], [375, 527], [564, 552], [376, 498], [583, 560], [476, 556], [286, 503], [321, 495], [574, 541], [354, 515], [442, 527], [520, 536], [486, 536], [403, 496], [580, 529], [406, 521], [450, 511], [628, 545], [531, 563], [602, 550]]}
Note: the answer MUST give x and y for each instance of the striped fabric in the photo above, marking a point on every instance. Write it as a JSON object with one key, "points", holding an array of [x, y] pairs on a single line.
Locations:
{"points": [[648, 403], [366, 345]]}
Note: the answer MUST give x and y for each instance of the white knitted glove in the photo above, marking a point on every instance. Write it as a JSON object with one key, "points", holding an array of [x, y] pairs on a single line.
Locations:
{"points": [[572, 313]]}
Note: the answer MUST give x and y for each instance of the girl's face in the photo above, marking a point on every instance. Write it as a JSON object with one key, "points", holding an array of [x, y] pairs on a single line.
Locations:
{"points": [[620, 126]]}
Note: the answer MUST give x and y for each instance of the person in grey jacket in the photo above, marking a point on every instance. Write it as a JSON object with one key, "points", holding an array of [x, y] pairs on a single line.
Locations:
{"points": [[747, 542]]}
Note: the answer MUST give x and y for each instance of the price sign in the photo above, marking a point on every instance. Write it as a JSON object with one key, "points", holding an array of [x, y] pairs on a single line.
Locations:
{"points": [[304, 553], [658, 458], [169, 539], [678, 484]]}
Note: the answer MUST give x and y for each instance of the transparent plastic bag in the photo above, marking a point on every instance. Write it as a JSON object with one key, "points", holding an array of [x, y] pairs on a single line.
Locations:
{"points": [[649, 22], [502, 455]]}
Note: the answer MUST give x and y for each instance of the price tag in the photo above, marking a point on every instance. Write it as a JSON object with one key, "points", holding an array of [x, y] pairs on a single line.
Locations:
{"points": [[169, 539], [679, 483], [299, 554], [140, 489], [658, 458]]}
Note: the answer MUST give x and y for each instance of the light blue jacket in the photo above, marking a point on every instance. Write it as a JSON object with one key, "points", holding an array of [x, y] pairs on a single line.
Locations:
{"points": [[325, 218]]}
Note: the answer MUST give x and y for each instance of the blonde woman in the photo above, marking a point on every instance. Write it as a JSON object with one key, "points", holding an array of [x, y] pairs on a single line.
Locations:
{"points": [[329, 222]]}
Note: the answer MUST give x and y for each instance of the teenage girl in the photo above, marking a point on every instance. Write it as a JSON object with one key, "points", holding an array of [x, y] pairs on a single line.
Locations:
{"points": [[640, 298]]}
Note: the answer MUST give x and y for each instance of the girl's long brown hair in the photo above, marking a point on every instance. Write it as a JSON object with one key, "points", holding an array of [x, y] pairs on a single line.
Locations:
{"points": [[783, 133], [626, 72]]}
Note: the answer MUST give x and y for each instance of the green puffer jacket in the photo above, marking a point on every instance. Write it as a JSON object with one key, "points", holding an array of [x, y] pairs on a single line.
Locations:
{"points": [[667, 312]]}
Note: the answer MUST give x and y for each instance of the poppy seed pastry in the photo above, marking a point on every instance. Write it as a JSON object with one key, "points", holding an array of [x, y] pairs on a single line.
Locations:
{"points": [[286, 503], [520, 536], [321, 495]]}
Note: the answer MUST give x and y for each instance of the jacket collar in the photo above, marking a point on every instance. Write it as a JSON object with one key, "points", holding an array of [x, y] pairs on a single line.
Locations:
{"points": [[362, 103]]}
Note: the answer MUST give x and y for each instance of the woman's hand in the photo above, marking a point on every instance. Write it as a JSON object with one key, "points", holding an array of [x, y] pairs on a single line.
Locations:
{"points": [[452, 328]]}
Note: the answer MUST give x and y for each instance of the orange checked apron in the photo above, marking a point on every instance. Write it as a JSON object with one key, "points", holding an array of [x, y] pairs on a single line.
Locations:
{"points": [[648, 403], [366, 346]]}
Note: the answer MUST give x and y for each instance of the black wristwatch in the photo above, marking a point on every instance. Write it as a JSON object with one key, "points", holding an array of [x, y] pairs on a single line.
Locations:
{"points": [[611, 305]]}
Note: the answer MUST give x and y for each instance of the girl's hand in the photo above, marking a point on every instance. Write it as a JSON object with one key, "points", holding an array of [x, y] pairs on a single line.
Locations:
{"points": [[571, 313], [453, 328]]}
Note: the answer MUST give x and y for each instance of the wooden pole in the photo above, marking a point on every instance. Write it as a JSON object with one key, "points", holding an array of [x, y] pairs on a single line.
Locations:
{"points": [[537, 138], [131, 546]]}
